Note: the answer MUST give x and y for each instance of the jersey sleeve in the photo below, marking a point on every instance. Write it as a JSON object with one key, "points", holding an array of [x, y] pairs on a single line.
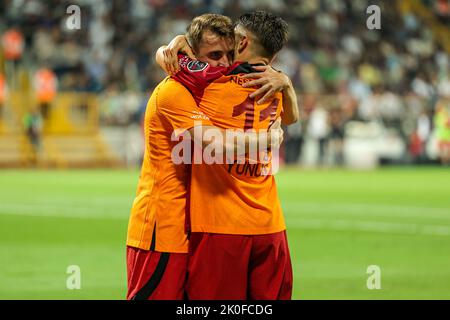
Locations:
{"points": [[197, 75], [178, 107]]}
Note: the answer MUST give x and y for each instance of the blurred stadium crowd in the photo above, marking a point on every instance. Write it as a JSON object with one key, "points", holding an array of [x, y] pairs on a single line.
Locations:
{"points": [[397, 77]]}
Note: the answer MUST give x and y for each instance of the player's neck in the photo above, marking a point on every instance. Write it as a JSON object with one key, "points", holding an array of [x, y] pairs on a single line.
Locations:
{"points": [[258, 60]]}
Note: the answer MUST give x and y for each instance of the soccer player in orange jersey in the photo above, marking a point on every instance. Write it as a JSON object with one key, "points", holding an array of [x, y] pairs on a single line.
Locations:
{"points": [[238, 246], [157, 242]]}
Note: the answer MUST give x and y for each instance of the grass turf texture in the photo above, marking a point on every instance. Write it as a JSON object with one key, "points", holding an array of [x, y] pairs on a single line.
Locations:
{"points": [[339, 223]]}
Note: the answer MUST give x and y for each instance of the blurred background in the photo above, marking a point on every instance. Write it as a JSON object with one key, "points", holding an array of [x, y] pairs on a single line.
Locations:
{"points": [[377, 99], [72, 98]]}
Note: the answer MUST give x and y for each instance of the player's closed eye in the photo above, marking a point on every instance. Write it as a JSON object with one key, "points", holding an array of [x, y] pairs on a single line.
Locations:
{"points": [[216, 55]]}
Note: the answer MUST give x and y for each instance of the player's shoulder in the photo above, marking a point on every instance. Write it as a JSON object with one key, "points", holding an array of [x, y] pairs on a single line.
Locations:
{"points": [[240, 68], [171, 90], [235, 74], [172, 87]]}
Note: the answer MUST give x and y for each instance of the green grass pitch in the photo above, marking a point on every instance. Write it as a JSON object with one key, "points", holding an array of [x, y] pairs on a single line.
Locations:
{"points": [[339, 222]]}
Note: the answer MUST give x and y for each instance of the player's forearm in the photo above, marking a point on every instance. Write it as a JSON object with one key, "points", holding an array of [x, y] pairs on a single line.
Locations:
{"points": [[251, 143], [167, 56], [244, 143], [159, 57], [290, 113], [235, 144]]}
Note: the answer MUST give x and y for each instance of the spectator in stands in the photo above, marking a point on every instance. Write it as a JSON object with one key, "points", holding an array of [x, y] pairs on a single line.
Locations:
{"points": [[335, 137], [293, 137], [2, 95], [45, 85], [13, 44], [32, 123], [318, 131], [423, 134], [442, 124]]}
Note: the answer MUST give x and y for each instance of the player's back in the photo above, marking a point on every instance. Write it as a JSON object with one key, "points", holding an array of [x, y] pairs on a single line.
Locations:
{"points": [[235, 198], [228, 103], [158, 212]]}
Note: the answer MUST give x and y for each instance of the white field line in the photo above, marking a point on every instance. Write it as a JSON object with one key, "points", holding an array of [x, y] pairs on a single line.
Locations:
{"points": [[58, 211], [367, 209], [63, 211], [297, 207], [368, 226]]}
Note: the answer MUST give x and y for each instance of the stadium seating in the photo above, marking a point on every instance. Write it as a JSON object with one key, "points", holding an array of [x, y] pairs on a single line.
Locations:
{"points": [[69, 137], [65, 151], [15, 151]]}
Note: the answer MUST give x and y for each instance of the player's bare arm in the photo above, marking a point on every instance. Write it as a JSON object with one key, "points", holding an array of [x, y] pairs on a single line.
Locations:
{"points": [[242, 142], [167, 55], [271, 81]]}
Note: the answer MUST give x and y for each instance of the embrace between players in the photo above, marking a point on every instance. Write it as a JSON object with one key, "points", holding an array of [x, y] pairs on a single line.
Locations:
{"points": [[213, 231]]}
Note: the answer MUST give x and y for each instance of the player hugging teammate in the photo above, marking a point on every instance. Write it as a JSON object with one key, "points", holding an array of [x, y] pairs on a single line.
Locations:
{"points": [[214, 230]]}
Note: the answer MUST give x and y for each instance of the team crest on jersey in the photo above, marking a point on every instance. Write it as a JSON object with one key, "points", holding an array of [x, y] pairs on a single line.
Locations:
{"points": [[196, 66]]}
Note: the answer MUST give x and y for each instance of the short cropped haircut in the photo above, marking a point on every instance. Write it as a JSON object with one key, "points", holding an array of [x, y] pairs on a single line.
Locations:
{"points": [[216, 23], [270, 31]]}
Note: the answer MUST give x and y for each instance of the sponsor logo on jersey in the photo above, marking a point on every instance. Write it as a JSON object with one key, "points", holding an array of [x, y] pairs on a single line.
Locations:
{"points": [[196, 66]]}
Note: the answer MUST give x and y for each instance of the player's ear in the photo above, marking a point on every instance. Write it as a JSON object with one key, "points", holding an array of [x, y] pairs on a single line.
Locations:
{"points": [[243, 44]]}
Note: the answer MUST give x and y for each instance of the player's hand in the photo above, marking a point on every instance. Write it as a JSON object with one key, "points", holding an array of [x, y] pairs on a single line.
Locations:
{"points": [[269, 80], [276, 134], [178, 44]]}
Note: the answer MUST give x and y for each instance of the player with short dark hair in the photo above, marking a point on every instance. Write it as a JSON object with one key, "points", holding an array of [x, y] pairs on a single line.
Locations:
{"points": [[238, 246], [268, 32]]}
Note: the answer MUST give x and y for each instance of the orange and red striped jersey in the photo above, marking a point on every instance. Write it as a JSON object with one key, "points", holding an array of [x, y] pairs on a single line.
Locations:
{"points": [[231, 198]]}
